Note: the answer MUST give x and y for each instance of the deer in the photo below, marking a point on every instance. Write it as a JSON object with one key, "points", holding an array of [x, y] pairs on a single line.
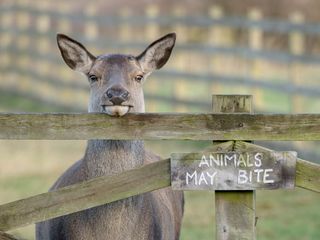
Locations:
{"points": [[116, 89]]}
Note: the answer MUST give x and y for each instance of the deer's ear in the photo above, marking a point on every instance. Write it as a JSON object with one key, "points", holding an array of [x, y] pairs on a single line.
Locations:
{"points": [[157, 53], [75, 55]]}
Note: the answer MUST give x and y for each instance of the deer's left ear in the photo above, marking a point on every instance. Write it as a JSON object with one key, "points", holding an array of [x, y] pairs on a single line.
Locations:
{"points": [[157, 53]]}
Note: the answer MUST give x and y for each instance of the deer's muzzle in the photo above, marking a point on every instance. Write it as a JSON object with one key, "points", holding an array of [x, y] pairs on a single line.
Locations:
{"points": [[116, 110]]}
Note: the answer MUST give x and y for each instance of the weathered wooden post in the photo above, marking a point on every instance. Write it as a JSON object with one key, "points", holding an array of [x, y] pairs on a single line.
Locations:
{"points": [[235, 210]]}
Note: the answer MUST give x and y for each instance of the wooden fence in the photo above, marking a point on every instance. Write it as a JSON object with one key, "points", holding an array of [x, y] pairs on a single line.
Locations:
{"points": [[164, 126], [230, 123]]}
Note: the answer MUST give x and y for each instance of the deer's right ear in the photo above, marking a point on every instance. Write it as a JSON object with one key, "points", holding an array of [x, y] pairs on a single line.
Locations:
{"points": [[75, 55]]}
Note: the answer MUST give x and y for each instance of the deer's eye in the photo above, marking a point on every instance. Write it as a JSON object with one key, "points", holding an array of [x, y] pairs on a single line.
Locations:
{"points": [[93, 78], [138, 78]]}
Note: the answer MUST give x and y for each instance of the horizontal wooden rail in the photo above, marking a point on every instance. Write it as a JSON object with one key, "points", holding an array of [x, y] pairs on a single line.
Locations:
{"points": [[154, 126], [5, 236], [107, 189]]}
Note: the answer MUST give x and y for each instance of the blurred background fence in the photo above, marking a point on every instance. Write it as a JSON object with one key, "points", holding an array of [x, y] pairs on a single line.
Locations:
{"points": [[215, 53], [270, 49]]}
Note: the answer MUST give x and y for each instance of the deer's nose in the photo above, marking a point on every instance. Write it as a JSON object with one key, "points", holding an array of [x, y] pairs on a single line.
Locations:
{"points": [[117, 95]]}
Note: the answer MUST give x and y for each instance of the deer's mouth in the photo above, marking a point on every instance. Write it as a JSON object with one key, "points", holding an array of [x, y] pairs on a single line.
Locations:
{"points": [[116, 110]]}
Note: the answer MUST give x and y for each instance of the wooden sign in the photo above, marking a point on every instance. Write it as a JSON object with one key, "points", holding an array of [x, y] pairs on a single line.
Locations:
{"points": [[233, 170]]}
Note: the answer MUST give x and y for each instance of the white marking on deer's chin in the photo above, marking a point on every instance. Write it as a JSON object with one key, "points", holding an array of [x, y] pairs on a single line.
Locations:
{"points": [[117, 111]]}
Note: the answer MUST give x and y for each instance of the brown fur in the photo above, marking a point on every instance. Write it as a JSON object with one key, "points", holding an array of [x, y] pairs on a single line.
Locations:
{"points": [[155, 215]]}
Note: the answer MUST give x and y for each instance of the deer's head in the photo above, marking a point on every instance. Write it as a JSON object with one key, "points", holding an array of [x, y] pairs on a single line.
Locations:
{"points": [[116, 79]]}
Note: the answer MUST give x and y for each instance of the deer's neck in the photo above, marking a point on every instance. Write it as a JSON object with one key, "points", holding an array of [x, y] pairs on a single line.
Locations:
{"points": [[106, 157]]}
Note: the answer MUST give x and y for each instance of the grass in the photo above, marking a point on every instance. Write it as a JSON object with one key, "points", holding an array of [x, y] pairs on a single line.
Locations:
{"points": [[198, 222], [12, 102], [288, 215]]}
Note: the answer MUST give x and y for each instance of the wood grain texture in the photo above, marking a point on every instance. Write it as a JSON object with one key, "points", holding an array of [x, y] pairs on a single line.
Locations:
{"points": [[6, 236], [235, 210], [234, 170], [150, 126], [307, 173], [235, 215], [85, 195]]}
